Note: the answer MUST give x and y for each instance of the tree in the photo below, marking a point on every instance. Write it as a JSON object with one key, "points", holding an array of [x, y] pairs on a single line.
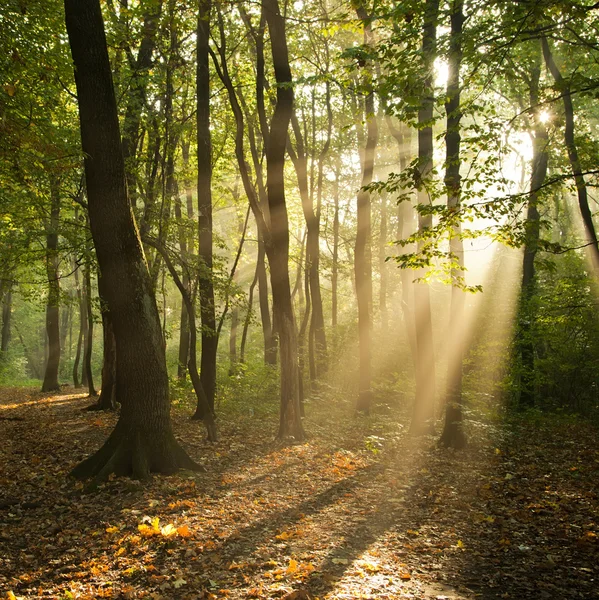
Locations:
{"points": [[277, 242], [143, 440], [423, 417], [453, 434], [50, 383], [207, 310], [363, 251]]}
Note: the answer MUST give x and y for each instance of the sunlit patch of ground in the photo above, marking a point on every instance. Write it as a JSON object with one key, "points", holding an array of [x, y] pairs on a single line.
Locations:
{"points": [[513, 516]]}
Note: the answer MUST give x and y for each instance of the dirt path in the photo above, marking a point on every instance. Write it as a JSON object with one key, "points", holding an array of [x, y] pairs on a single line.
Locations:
{"points": [[358, 511]]}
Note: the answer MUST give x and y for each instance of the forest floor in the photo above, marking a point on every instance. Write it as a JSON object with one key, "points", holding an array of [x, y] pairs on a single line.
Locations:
{"points": [[360, 510]]}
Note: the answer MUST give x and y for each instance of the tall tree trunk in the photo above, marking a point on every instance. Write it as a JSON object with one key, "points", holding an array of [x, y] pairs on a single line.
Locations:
{"points": [[424, 407], [207, 309], [581, 188], [233, 358], [82, 315], [143, 440], [50, 383], [277, 244], [204, 408], [335, 265], [186, 246], [362, 252], [184, 321], [383, 274], [107, 399], [540, 158], [453, 433], [248, 317], [89, 333], [6, 316]]}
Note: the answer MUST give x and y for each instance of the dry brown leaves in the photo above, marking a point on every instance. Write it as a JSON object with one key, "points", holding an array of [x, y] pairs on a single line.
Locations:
{"points": [[513, 516]]}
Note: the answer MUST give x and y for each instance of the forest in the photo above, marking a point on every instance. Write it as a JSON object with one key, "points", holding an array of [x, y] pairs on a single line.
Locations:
{"points": [[299, 299]]}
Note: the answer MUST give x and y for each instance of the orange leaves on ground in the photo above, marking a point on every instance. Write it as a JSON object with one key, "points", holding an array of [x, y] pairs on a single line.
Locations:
{"points": [[289, 534], [168, 530]]}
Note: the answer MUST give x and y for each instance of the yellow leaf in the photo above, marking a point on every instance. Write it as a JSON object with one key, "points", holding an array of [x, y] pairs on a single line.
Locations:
{"points": [[155, 522], [292, 566], [9, 594], [146, 530], [168, 530], [405, 576], [120, 551], [10, 89], [112, 529], [284, 535], [460, 544]]}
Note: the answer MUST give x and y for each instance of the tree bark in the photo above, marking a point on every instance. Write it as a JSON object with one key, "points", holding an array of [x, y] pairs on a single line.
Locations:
{"points": [[143, 440], [540, 159], [82, 315], [424, 406], [453, 435], [89, 333], [362, 252], [277, 242], [6, 316], [50, 383], [335, 265], [107, 399], [207, 309]]}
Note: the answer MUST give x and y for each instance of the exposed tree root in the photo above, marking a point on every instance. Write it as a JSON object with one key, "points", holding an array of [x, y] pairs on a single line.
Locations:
{"points": [[130, 451]]}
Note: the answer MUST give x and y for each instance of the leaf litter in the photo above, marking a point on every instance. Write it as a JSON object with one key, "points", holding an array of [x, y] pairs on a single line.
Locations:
{"points": [[515, 515]]}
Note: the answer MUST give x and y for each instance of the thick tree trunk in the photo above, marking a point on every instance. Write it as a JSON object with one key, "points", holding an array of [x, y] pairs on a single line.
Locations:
{"points": [[50, 383], [277, 244], [143, 440], [453, 435], [207, 309], [363, 252], [424, 407]]}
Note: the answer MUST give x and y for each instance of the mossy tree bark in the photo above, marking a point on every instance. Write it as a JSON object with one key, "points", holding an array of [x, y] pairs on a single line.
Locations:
{"points": [[143, 439]]}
